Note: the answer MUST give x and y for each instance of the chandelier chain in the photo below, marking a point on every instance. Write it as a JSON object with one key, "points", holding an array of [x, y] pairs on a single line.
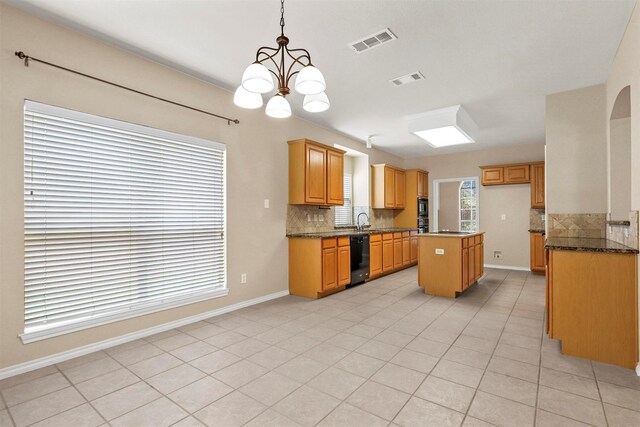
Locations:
{"points": [[282, 17]]}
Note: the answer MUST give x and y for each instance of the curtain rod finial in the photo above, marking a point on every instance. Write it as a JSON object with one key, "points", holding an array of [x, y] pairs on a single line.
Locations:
{"points": [[22, 55]]}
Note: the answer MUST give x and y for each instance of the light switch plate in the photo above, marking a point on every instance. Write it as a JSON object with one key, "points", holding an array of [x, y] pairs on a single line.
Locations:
{"points": [[439, 251], [503, 217], [266, 203]]}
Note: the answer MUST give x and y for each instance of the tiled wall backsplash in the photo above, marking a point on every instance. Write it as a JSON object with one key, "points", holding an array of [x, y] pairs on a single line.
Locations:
{"points": [[577, 225], [324, 219], [625, 234], [536, 219]]}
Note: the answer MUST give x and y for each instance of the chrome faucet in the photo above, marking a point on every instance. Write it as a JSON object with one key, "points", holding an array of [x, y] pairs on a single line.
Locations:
{"points": [[358, 226]]}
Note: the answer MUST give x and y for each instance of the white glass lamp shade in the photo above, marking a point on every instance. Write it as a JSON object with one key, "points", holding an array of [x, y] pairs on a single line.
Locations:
{"points": [[310, 81], [245, 99], [316, 103], [257, 79], [278, 107]]}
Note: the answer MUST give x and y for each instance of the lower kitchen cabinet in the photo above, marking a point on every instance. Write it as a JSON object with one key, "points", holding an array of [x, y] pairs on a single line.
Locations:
{"points": [[391, 252], [537, 257], [375, 255], [397, 250], [592, 305], [318, 267]]}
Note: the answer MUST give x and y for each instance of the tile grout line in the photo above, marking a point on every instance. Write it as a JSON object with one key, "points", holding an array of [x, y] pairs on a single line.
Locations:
{"points": [[604, 412], [494, 349]]}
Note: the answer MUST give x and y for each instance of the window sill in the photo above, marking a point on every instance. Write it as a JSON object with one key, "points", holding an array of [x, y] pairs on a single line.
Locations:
{"points": [[46, 332]]}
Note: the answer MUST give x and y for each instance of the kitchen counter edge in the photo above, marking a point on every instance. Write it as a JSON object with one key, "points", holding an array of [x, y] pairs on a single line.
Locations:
{"points": [[342, 233], [587, 245], [458, 236]]}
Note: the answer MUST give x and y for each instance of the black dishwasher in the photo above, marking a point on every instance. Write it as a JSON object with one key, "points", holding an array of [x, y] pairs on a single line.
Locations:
{"points": [[359, 258]]}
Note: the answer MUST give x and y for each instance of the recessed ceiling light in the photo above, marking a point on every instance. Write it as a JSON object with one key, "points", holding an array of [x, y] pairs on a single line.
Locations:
{"points": [[444, 127]]}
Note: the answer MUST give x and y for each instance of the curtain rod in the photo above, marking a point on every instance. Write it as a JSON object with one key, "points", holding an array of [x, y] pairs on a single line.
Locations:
{"points": [[27, 58]]}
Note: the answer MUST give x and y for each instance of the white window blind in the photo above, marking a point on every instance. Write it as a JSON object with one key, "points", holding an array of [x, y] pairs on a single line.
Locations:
{"points": [[120, 220], [344, 213]]}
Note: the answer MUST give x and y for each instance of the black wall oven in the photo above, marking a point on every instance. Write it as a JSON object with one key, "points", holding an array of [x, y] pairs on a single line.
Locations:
{"points": [[423, 215]]}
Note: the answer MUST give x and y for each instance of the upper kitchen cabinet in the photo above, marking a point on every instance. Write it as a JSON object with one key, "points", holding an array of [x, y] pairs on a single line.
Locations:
{"points": [[422, 182], [416, 186], [537, 185], [315, 173], [388, 187], [505, 174]]}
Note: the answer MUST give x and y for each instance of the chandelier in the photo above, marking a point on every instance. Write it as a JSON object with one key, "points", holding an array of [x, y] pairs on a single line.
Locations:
{"points": [[258, 79]]}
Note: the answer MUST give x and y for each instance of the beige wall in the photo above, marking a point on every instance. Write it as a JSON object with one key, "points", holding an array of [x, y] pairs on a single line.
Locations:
{"points": [[449, 212], [620, 168], [509, 236], [624, 72], [576, 139], [256, 153]]}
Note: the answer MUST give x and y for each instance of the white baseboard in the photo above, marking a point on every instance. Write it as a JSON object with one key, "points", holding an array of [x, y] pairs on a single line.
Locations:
{"points": [[638, 369], [506, 267], [112, 342]]}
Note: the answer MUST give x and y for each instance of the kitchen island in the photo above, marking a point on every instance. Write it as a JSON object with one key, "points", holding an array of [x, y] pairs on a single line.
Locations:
{"points": [[449, 262]]}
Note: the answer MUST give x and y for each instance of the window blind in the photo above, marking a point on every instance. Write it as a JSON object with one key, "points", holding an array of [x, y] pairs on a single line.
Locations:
{"points": [[344, 213], [120, 219]]}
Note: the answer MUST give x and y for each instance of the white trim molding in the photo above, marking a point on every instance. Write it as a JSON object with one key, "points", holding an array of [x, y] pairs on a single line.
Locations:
{"points": [[112, 342], [506, 267]]}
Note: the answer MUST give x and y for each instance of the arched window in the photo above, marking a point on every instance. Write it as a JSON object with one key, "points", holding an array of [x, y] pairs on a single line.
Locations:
{"points": [[468, 195]]}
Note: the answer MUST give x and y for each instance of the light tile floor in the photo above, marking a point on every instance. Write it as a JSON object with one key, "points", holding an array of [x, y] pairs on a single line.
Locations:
{"points": [[379, 354]]}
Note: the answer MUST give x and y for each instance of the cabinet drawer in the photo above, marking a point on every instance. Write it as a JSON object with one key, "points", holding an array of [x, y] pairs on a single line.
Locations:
{"points": [[397, 235], [405, 234], [387, 236], [344, 241], [413, 233], [375, 237], [478, 239], [465, 242], [329, 243]]}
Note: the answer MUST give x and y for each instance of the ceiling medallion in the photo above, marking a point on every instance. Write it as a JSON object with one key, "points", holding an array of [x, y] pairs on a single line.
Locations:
{"points": [[258, 79]]}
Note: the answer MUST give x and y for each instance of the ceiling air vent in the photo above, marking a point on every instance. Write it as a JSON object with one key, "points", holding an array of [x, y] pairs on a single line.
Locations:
{"points": [[407, 78], [374, 40]]}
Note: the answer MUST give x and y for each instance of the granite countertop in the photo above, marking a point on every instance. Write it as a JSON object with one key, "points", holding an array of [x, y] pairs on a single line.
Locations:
{"points": [[348, 232], [587, 245], [457, 234], [536, 230]]}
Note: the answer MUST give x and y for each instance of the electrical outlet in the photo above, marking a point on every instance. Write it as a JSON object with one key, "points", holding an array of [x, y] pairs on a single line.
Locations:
{"points": [[315, 217], [497, 254], [503, 217], [243, 278], [321, 218], [266, 203], [308, 217]]}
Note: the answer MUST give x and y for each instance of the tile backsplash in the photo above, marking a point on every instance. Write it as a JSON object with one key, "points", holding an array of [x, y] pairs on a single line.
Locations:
{"points": [[625, 234], [312, 219], [536, 219], [591, 225]]}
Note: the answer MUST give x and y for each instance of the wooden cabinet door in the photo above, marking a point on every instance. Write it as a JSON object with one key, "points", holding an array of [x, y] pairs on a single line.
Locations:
{"points": [[389, 188], [537, 252], [479, 262], [414, 249], [335, 178], [465, 269], [387, 255], [344, 265], [399, 178], [516, 174], [472, 262], [315, 175], [420, 184], [537, 186], [493, 176], [375, 258], [329, 268], [406, 251], [425, 184], [397, 251]]}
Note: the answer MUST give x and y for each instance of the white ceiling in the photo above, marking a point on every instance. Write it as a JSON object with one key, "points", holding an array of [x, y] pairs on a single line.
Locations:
{"points": [[496, 58]]}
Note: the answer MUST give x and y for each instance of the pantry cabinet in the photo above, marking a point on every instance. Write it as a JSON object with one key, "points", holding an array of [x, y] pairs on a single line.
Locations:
{"points": [[416, 186], [388, 185], [315, 173]]}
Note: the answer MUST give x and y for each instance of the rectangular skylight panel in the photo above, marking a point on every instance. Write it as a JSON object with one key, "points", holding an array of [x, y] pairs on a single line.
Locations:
{"points": [[444, 137]]}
